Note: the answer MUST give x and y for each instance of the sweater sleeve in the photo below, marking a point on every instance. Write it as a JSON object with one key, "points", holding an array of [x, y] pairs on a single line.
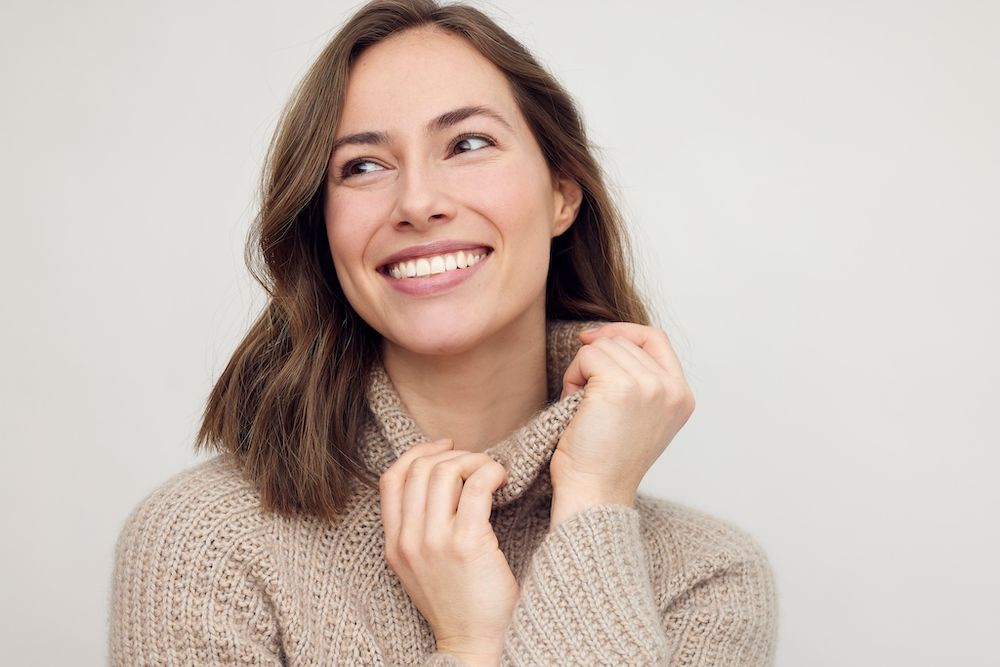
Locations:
{"points": [[726, 611], [187, 590], [442, 659], [587, 598]]}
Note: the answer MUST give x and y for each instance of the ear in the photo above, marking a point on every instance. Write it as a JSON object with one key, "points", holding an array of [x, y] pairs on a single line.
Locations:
{"points": [[568, 197]]}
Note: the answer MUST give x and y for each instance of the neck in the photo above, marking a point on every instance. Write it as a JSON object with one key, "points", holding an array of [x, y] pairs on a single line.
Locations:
{"points": [[479, 396]]}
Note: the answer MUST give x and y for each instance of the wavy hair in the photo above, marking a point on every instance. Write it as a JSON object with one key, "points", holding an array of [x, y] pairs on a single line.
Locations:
{"points": [[291, 401]]}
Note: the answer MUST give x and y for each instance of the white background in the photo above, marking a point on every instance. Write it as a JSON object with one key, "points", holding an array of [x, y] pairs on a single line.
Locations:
{"points": [[813, 193]]}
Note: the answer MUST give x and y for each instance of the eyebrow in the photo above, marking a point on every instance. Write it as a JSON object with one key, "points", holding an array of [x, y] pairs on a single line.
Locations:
{"points": [[442, 122]]}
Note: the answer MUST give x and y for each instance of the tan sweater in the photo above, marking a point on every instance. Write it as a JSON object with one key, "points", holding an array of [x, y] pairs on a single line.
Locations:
{"points": [[203, 577]]}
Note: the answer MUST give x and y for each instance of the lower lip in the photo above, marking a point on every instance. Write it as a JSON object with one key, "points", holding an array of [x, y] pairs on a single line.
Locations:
{"points": [[436, 284]]}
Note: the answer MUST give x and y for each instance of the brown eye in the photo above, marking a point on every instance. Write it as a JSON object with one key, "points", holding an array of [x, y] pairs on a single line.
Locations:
{"points": [[359, 167], [471, 143]]}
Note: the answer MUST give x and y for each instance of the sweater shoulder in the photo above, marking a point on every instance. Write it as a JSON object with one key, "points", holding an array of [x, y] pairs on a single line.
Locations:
{"points": [[695, 532], [190, 576], [688, 546], [208, 501]]}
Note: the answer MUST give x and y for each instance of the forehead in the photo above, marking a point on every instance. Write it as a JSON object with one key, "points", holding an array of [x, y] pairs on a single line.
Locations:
{"points": [[416, 75]]}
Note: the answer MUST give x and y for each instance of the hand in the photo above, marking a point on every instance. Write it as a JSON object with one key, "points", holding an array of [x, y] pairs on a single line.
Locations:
{"points": [[635, 401], [436, 503]]}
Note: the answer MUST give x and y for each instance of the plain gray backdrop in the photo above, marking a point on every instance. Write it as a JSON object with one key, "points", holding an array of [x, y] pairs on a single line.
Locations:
{"points": [[812, 188]]}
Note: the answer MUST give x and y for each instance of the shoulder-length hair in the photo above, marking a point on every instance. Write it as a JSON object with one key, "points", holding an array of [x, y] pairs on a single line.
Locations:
{"points": [[291, 401]]}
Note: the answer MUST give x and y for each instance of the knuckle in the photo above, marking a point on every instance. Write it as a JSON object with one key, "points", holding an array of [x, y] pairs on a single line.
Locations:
{"points": [[681, 400], [652, 389], [409, 549], [478, 485], [677, 395], [419, 466], [447, 469], [689, 402], [484, 460], [435, 542]]}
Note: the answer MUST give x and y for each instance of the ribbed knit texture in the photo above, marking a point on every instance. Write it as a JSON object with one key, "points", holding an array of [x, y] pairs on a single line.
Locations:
{"points": [[203, 577]]}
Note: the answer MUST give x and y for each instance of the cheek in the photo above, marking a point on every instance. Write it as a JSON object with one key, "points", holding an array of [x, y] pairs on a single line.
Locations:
{"points": [[346, 241], [515, 202], [512, 198], [345, 229], [347, 238]]}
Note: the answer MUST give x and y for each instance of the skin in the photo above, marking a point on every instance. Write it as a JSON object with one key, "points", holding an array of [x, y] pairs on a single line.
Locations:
{"points": [[454, 356]]}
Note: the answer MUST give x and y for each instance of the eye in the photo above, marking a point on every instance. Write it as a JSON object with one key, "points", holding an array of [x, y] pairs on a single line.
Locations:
{"points": [[359, 167], [471, 142]]}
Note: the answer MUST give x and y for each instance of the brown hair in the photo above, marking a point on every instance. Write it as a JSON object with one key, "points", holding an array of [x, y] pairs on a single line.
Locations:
{"points": [[291, 401]]}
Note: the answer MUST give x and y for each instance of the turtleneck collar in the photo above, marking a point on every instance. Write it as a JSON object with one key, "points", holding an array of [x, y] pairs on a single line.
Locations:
{"points": [[525, 453]]}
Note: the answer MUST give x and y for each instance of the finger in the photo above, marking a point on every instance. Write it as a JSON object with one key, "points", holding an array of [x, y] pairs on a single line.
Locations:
{"points": [[639, 355], [476, 502], [445, 487], [651, 339], [590, 361], [391, 485], [414, 504], [618, 349]]}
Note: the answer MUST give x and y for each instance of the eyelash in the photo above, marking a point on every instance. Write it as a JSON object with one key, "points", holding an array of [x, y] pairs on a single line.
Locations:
{"points": [[490, 141]]}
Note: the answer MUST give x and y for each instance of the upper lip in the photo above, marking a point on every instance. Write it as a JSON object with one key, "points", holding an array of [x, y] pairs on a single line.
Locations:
{"points": [[432, 248]]}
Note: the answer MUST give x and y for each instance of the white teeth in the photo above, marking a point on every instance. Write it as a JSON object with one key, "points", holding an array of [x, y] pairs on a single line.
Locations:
{"points": [[429, 266]]}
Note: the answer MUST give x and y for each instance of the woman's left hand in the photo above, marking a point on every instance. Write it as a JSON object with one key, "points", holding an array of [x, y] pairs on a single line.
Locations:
{"points": [[635, 401]]}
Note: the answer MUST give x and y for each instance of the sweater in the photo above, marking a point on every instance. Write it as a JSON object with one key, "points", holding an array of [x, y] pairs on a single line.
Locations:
{"points": [[203, 577]]}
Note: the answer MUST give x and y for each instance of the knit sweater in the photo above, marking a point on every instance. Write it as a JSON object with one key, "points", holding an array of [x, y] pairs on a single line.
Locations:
{"points": [[203, 577]]}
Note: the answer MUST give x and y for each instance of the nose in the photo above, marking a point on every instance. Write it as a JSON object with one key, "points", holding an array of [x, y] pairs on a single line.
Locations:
{"points": [[422, 199]]}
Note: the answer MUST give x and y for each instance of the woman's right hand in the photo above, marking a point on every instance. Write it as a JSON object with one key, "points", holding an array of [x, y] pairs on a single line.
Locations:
{"points": [[436, 503]]}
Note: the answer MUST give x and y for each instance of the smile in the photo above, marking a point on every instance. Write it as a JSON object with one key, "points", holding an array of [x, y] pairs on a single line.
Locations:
{"points": [[422, 267]]}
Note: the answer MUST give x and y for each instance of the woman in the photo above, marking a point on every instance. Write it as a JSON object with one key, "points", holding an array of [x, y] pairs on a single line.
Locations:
{"points": [[431, 440]]}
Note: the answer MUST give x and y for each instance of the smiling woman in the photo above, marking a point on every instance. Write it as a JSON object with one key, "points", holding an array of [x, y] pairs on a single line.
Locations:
{"points": [[430, 442], [472, 179]]}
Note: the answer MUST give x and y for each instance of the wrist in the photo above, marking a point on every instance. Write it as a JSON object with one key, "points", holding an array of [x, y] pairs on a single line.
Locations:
{"points": [[473, 659], [473, 655], [567, 502]]}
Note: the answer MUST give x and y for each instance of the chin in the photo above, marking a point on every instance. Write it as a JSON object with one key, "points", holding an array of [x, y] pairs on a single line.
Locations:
{"points": [[437, 335]]}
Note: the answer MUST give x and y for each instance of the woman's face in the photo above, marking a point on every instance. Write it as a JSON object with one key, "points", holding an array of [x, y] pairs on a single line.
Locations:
{"points": [[433, 167]]}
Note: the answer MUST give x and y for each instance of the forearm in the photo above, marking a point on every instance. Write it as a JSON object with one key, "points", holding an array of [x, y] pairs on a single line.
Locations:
{"points": [[587, 597]]}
